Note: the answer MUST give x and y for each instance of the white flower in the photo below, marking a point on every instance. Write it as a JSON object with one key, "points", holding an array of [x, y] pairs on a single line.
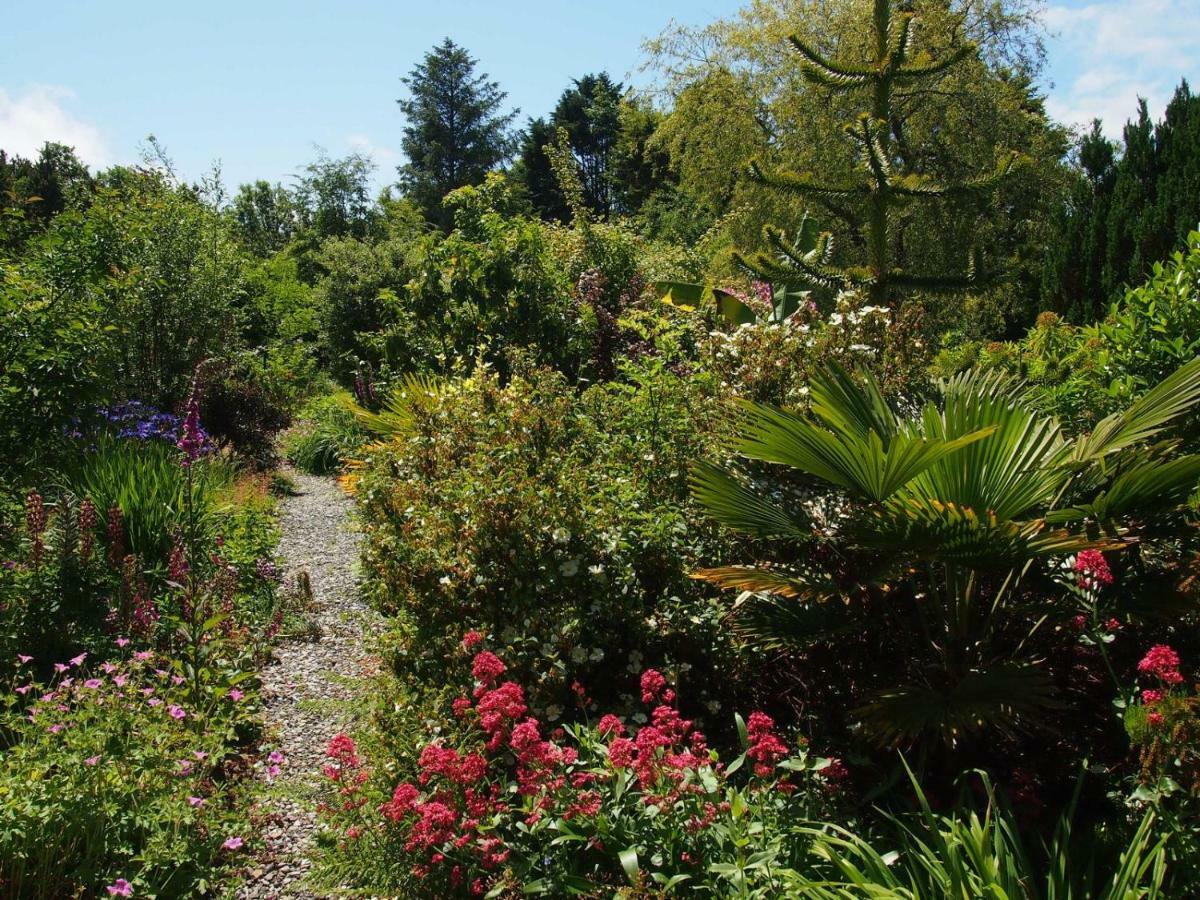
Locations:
{"points": [[445, 579], [596, 569], [569, 568], [553, 713], [560, 535]]}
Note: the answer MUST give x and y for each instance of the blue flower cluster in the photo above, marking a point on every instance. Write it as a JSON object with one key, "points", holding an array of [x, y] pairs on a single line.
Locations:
{"points": [[138, 421]]}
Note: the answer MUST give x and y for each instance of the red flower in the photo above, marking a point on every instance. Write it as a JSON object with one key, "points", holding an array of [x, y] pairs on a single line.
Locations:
{"points": [[487, 667], [1163, 663], [765, 748], [471, 638], [620, 752], [1155, 719], [341, 748], [404, 797], [498, 709], [610, 724], [1093, 569], [1150, 696], [653, 684]]}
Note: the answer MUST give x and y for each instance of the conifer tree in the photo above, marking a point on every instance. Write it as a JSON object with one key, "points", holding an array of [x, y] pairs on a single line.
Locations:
{"points": [[884, 186], [456, 132]]}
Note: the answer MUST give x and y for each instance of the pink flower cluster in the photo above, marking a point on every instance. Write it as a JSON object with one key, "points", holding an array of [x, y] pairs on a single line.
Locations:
{"points": [[1092, 569], [1163, 663], [447, 819]]}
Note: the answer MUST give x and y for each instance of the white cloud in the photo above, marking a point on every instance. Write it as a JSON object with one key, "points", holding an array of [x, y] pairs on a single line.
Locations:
{"points": [[384, 157], [1110, 52], [40, 114]]}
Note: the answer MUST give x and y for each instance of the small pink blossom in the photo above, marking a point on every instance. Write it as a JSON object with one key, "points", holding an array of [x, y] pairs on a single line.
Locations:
{"points": [[275, 756], [56, 728], [176, 712], [22, 658], [177, 680], [236, 696], [143, 655], [78, 660], [119, 680], [154, 701], [108, 668], [24, 689], [120, 888], [195, 802], [233, 843], [60, 667], [92, 683], [200, 755], [91, 760], [122, 641]]}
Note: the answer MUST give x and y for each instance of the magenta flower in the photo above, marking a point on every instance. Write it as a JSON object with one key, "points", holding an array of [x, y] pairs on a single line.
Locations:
{"points": [[275, 756], [56, 728], [60, 667], [78, 660], [108, 668], [119, 680], [233, 843], [176, 712], [143, 655], [122, 641], [120, 888], [191, 436], [154, 701], [235, 695], [22, 658], [195, 802], [92, 683], [91, 760], [24, 689]]}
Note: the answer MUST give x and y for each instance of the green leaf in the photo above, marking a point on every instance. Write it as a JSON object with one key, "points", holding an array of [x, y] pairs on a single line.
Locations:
{"points": [[629, 862]]}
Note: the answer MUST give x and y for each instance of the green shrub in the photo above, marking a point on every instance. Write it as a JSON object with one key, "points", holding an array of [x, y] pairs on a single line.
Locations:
{"points": [[111, 772], [325, 437], [554, 521], [492, 805], [145, 481]]}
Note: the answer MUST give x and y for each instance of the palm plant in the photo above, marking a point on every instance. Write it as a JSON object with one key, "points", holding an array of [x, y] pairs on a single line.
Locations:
{"points": [[937, 536]]}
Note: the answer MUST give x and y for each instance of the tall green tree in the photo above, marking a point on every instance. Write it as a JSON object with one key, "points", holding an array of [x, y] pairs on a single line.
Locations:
{"points": [[1130, 207], [455, 133], [739, 94], [264, 217], [41, 188], [886, 181]]}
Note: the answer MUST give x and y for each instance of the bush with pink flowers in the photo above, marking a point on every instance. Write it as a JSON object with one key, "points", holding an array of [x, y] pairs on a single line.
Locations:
{"points": [[500, 802], [112, 776]]}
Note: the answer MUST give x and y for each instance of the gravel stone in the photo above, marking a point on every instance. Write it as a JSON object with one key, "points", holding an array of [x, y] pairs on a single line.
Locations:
{"points": [[303, 685]]}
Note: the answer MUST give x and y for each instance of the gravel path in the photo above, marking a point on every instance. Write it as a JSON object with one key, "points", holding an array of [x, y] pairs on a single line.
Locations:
{"points": [[303, 687]]}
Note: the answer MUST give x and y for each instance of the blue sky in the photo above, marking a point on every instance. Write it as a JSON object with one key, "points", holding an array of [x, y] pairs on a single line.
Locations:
{"points": [[257, 84]]}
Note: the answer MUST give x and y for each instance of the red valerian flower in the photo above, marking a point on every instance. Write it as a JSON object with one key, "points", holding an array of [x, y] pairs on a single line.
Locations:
{"points": [[1154, 718], [653, 684], [1163, 663], [498, 709], [403, 798], [342, 750], [620, 752], [610, 724], [765, 748], [1093, 569], [487, 667], [1150, 696], [471, 638]]}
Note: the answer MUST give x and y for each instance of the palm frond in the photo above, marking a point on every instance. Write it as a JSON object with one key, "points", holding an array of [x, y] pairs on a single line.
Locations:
{"points": [[1174, 396], [740, 507], [992, 699]]}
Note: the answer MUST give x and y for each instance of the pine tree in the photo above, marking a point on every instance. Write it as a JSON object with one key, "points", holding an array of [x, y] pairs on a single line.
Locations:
{"points": [[885, 184], [456, 132]]}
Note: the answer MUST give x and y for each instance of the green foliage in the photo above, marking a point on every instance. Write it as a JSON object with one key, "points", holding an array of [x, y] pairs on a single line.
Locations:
{"points": [[146, 483], [99, 784], [972, 853], [243, 407], [1127, 210], [558, 522], [326, 436], [1084, 373], [455, 133], [952, 527]]}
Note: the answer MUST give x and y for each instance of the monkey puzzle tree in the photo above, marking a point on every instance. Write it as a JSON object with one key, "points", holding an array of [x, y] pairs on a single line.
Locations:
{"points": [[873, 202]]}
